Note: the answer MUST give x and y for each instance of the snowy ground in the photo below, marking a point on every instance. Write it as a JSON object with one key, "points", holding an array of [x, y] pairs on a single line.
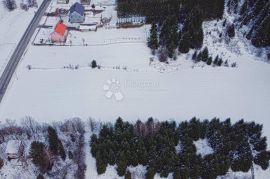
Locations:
{"points": [[180, 90], [13, 25]]}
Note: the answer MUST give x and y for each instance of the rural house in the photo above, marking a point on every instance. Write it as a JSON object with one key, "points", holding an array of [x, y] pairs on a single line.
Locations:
{"points": [[76, 13], [60, 32], [14, 149]]}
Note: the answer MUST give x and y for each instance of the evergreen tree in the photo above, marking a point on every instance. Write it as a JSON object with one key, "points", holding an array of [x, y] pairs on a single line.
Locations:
{"points": [[100, 163], [128, 175], [231, 31], [37, 153], [142, 153], [150, 173], [194, 56], [184, 43], [111, 157], [122, 165], [61, 149], [40, 176], [209, 61], [94, 64], [53, 140], [205, 54], [220, 62], [262, 159], [216, 60], [153, 39]]}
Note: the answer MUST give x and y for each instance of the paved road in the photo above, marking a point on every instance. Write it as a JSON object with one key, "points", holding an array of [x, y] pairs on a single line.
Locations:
{"points": [[18, 52]]}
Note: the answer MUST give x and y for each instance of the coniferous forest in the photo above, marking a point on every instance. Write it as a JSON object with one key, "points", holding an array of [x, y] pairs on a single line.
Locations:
{"points": [[178, 22], [168, 147]]}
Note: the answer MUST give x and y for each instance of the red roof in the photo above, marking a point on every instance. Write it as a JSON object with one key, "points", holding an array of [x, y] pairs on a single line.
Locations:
{"points": [[60, 28]]}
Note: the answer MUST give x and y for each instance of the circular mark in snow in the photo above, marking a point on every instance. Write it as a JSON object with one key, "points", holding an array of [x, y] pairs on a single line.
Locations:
{"points": [[112, 89]]}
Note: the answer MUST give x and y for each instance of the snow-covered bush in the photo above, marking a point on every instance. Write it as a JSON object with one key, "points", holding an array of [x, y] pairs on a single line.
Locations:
{"points": [[11, 4]]}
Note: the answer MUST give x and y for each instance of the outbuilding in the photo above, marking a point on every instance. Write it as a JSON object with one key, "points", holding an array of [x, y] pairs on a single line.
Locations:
{"points": [[14, 149], [62, 1], [85, 2]]}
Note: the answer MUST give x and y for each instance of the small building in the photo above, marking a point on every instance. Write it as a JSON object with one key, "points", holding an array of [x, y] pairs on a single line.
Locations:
{"points": [[76, 13], [60, 32], [14, 149], [84, 28], [85, 2], [62, 1]]}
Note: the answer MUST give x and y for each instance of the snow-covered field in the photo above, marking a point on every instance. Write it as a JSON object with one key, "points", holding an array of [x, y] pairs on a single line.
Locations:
{"points": [[13, 25], [180, 90]]}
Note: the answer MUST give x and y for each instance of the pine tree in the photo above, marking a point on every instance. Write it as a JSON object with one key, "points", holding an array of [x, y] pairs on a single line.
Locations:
{"points": [[53, 140], [150, 173], [142, 153], [122, 165], [100, 164], [209, 61], [40, 176], [94, 64], [194, 56], [128, 175], [61, 149], [184, 43], [205, 54], [111, 157], [153, 39], [262, 159], [231, 31], [37, 153], [216, 60], [220, 62]]}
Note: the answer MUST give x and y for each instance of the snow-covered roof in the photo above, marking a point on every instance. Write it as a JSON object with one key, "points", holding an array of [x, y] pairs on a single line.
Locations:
{"points": [[13, 146]]}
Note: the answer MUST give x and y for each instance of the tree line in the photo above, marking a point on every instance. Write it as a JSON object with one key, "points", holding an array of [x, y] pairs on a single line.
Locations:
{"points": [[153, 144]]}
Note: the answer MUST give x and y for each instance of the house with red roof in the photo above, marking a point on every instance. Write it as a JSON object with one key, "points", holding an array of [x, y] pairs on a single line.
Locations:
{"points": [[60, 32]]}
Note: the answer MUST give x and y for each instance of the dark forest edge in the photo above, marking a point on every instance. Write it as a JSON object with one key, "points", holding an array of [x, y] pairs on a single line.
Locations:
{"points": [[236, 146]]}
